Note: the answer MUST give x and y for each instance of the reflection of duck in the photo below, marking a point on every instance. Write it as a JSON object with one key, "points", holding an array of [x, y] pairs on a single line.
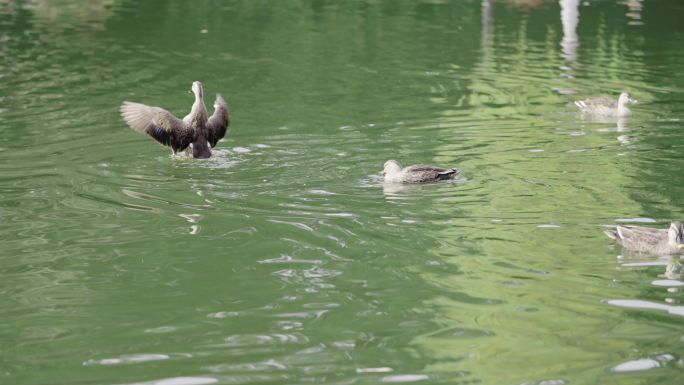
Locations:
{"points": [[607, 106], [524, 4], [196, 129], [673, 269], [419, 173], [648, 240]]}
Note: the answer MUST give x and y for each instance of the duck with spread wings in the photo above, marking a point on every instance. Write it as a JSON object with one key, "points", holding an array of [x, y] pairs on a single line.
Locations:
{"points": [[196, 131]]}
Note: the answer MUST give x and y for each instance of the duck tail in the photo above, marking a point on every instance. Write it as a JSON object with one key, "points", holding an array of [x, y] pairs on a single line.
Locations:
{"points": [[450, 173], [612, 234]]}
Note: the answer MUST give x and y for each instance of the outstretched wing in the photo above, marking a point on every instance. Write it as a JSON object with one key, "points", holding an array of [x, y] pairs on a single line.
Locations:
{"points": [[159, 124], [218, 122]]}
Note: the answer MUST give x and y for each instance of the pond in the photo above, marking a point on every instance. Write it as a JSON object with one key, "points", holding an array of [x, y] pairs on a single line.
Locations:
{"points": [[284, 258]]}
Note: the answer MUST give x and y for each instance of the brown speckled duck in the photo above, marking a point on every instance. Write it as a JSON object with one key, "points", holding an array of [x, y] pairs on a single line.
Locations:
{"points": [[196, 130], [419, 173], [648, 240], [607, 107]]}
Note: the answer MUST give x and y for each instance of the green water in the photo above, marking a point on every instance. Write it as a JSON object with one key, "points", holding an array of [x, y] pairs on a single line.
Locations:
{"points": [[284, 259]]}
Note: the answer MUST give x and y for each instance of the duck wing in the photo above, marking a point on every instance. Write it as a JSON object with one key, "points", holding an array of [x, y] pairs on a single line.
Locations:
{"points": [[596, 102], [159, 124], [425, 173], [638, 237], [218, 122]]}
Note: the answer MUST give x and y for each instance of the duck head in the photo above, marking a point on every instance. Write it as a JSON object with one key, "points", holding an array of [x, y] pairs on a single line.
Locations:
{"points": [[197, 89], [675, 234], [391, 167], [625, 98]]}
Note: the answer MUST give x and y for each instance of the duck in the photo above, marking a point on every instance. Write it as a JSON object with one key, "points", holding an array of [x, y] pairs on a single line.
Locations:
{"points": [[418, 173], [197, 132], [603, 106], [648, 240]]}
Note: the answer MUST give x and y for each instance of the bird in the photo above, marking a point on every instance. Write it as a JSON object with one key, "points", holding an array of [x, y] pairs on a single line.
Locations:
{"points": [[419, 173], [603, 106], [648, 240], [196, 130]]}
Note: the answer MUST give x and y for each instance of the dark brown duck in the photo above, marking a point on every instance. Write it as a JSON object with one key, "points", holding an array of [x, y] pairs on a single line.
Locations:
{"points": [[196, 131]]}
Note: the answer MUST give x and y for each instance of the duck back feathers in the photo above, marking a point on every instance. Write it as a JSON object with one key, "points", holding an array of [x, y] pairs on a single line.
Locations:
{"points": [[428, 173], [419, 173]]}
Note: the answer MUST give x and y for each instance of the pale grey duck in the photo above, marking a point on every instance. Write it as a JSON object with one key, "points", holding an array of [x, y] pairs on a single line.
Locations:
{"points": [[648, 240], [196, 129], [606, 106], [419, 173]]}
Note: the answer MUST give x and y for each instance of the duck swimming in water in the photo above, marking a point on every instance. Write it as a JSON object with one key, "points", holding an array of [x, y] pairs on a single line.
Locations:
{"points": [[419, 173], [196, 130], [606, 106], [648, 240]]}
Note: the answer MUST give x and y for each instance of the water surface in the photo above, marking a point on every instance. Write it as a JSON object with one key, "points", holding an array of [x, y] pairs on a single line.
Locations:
{"points": [[283, 259]]}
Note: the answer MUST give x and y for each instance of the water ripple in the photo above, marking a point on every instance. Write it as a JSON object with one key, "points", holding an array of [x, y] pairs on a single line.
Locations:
{"points": [[128, 359], [284, 258], [643, 364], [178, 381]]}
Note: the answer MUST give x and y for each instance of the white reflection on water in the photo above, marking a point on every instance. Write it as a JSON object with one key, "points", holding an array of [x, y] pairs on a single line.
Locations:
{"points": [[570, 19], [634, 11], [486, 27], [382, 369], [179, 381], [637, 365], [669, 279], [546, 382], [194, 220], [636, 220], [667, 282], [643, 363], [400, 191], [128, 359], [284, 258], [392, 189], [161, 329], [404, 378], [647, 305]]}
